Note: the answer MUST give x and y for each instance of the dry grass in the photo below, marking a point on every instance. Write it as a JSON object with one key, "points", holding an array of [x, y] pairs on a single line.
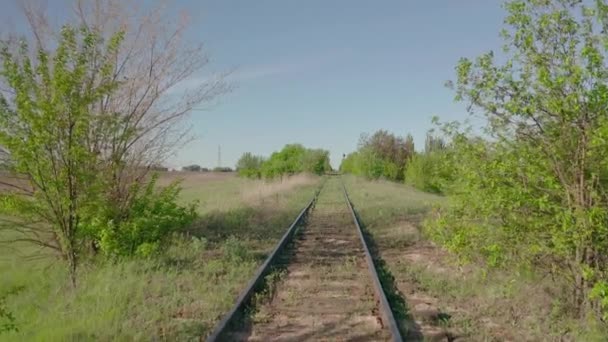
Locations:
{"points": [[190, 179], [261, 189]]}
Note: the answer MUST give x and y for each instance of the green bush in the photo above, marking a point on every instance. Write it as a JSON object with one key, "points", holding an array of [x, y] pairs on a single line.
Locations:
{"points": [[536, 193], [381, 155], [154, 215], [7, 319], [430, 172], [295, 158]]}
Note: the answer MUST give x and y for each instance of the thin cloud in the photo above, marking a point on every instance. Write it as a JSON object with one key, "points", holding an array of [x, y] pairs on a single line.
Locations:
{"points": [[256, 72], [282, 68]]}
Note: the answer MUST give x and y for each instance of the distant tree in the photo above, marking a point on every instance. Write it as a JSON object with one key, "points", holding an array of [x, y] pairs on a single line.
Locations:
{"points": [[295, 158], [316, 161], [250, 165], [433, 143], [381, 154], [222, 169], [192, 168]]}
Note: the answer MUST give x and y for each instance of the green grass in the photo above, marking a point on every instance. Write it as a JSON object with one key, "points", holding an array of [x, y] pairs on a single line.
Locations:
{"points": [[482, 305], [180, 295]]}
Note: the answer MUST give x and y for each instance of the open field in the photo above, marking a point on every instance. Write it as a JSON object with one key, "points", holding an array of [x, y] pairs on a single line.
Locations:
{"points": [[182, 294], [177, 296]]}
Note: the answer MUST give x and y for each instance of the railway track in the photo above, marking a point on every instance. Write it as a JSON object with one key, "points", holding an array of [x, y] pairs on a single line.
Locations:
{"points": [[319, 283]]}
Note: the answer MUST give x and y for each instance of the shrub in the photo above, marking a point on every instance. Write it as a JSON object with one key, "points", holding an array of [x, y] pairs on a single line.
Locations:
{"points": [[381, 155], [295, 158], [154, 216]]}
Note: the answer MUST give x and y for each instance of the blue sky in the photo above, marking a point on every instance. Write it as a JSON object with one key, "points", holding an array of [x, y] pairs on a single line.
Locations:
{"points": [[321, 72]]}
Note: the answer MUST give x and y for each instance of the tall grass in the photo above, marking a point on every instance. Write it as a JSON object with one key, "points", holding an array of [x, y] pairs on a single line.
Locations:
{"points": [[179, 295]]}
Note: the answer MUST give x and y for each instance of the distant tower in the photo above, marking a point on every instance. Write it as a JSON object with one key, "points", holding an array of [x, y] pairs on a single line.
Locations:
{"points": [[219, 156]]}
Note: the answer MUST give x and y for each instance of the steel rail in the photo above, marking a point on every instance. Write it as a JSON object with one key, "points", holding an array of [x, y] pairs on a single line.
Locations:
{"points": [[385, 308], [262, 271]]}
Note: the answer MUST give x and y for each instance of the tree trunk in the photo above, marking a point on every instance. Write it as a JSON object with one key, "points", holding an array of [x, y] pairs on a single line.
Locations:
{"points": [[72, 263]]}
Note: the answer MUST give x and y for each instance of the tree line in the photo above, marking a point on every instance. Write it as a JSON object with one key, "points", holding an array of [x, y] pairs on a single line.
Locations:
{"points": [[292, 159]]}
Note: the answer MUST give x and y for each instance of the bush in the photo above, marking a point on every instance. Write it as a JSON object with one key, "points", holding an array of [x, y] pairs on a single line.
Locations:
{"points": [[7, 319], [381, 155], [537, 191], [295, 158], [154, 215], [430, 172]]}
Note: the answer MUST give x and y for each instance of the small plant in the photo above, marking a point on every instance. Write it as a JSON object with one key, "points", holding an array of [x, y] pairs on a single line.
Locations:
{"points": [[235, 251], [7, 319]]}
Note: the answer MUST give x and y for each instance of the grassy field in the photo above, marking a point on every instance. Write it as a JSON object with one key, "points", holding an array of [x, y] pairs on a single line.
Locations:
{"points": [[182, 294], [437, 297], [177, 296]]}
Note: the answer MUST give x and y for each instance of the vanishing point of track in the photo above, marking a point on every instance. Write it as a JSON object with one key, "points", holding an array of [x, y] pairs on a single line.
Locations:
{"points": [[328, 288]]}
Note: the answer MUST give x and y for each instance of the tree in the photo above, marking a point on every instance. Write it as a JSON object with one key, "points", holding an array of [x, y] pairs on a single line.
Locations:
{"points": [[295, 158], [543, 177], [46, 126], [192, 168], [316, 161], [380, 155], [250, 165], [157, 75]]}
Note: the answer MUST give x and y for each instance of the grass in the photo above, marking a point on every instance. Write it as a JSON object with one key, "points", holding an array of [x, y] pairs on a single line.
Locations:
{"points": [[180, 295], [446, 298]]}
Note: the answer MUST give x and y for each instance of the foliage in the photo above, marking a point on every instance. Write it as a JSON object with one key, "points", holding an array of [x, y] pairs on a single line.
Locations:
{"points": [[432, 170], [7, 318], [536, 192], [46, 127], [152, 218], [64, 196], [249, 165], [295, 158], [222, 169], [380, 155]]}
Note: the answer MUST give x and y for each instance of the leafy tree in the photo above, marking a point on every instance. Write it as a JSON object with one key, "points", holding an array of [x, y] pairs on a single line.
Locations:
{"points": [[316, 161], [537, 192], [432, 169], [348, 163], [380, 155], [250, 165], [45, 129], [295, 158]]}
